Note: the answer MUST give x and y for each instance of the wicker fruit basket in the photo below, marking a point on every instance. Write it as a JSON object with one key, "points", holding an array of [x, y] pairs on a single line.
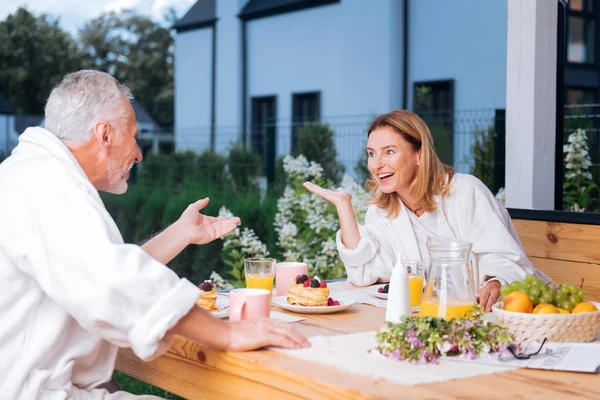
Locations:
{"points": [[581, 327]]}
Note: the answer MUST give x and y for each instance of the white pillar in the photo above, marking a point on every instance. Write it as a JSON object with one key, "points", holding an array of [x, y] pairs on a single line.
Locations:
{"points": [[531, 103]]}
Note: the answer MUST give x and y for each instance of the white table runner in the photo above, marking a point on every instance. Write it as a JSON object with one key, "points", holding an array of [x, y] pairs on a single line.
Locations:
{"points": [[350, 353]]}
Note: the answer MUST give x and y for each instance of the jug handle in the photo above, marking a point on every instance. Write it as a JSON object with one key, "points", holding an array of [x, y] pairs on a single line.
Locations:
{"points": [[473, 272]]}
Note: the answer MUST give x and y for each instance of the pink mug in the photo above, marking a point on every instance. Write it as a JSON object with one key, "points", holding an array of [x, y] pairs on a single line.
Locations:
{"points": [[285, 275], [249, 304]]}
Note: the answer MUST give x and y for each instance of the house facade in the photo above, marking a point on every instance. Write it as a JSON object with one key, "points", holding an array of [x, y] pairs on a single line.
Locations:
{"points": [[8, 137], [255, 70]]}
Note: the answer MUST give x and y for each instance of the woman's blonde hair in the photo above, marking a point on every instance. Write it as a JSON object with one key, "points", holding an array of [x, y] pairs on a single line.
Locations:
{"points": [[433, 177]]}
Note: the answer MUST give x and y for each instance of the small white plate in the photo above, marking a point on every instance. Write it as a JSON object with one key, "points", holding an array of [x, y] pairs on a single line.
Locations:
{"points": [[372, 290], [281, 301], [223, 305]]}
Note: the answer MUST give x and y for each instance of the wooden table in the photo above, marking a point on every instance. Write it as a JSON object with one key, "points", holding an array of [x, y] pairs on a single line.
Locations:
{"points": [[192, 371]]}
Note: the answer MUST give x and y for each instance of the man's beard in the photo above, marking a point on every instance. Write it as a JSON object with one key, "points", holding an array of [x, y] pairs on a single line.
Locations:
{"points": [[117, 179]]}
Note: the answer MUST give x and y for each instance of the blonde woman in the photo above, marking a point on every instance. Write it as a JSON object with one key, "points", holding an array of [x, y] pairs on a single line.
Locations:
{"points": [[416, 196]]}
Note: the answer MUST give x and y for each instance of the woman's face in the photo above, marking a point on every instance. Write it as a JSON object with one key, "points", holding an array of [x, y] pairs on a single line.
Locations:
{"points": [[392, 160]]}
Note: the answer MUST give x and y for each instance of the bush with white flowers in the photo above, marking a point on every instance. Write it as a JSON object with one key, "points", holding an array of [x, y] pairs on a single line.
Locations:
{"points": [[305, 224], [578, 187]]}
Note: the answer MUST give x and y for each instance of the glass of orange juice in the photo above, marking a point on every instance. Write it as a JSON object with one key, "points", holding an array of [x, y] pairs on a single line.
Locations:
{"points": [[260, 273], [416, 280]]}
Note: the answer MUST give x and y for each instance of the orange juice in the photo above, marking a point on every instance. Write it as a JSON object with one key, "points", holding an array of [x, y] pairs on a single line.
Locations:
{"points": [[415, 286], [260, 281], [454, 308]]}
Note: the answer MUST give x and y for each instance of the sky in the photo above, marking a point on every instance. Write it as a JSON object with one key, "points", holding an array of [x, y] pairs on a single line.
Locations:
{"points": [[73, 14]]}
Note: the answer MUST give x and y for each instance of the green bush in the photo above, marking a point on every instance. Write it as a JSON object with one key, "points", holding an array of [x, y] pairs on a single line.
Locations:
{"points": [[482, 156], [244, 167], [316, 143]]}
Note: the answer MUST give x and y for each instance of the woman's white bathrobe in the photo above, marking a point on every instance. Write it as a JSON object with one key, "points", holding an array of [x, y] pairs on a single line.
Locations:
{"points": [[71, 291], [469, 212]]}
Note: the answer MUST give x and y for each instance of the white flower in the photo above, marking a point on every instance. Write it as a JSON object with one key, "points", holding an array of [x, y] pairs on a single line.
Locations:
{"points": [[219, 281], [577, 163], [501, 196]]}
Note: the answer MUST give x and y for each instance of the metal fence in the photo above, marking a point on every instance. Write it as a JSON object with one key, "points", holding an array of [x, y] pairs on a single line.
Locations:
{"points": [[461, 138]]}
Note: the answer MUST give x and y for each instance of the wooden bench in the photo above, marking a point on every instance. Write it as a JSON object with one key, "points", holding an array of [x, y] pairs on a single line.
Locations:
{"points": [[564, 245]]}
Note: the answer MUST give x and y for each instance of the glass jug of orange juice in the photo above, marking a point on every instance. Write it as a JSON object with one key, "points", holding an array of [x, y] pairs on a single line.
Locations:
{"points": [[452, 281]]}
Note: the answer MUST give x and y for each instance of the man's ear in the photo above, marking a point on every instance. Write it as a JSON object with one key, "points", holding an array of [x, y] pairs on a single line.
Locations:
{"points": [[102, 133]]}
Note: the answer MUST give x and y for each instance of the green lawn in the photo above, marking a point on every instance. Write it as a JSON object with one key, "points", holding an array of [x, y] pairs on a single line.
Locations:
{"points": [[135, 386]]}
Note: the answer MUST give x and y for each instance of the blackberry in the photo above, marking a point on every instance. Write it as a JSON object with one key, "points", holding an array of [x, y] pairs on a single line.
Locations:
{"points": [[303, 278], [315, 283], [385, 289], [206, 287]]}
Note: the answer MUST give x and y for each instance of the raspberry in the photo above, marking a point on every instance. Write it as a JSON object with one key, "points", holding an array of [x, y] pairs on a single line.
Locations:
{"points": [[307, 282], [300, 279], [315, 283], [206, 286], [330, 302], [297, 277], [336, 303], [323, 284], [379, 290]]}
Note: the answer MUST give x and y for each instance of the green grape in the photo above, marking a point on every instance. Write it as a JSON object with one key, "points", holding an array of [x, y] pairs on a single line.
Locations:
{"points": [[546, 297], [534, 299], [544, 288], [564, 290], [515, 286], [526, 291], [505, 290], [566, 305], [529, 278], [535, 291], [579, 297], [572, 304]]}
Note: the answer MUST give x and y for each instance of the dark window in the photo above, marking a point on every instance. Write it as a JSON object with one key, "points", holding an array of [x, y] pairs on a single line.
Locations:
{"points": [[263, 131], [581, 5], [306, 108], [580, 96], [434, 103], [581, 32]]}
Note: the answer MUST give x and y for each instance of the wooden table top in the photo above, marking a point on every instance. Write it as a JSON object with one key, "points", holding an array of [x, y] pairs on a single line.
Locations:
{"points": [[193, 371]]}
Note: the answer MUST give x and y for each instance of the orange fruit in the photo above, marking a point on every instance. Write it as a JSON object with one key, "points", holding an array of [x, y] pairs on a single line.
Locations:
{"points": [[584, 307], [563, 311], [545, 309], [518, 302]]}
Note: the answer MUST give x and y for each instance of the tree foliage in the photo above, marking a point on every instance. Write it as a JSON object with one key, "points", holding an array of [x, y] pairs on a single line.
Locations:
{"points": [[35, 53], [139, 53]]}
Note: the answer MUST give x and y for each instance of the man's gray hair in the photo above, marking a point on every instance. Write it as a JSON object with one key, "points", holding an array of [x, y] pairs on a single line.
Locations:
{"points": [[81, 100]]}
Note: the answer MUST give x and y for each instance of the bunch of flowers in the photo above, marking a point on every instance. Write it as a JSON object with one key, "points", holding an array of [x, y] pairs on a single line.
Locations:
{"points": [[425, 339], [306, 224], [578, 186], [240, 244]]}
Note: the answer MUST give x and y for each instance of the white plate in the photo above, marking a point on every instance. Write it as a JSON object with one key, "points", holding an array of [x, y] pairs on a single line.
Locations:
{"points": [[372, 290], [223, 305], [281, 301]]}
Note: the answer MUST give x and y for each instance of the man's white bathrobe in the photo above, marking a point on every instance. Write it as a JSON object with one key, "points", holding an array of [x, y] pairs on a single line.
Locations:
{"points": [[469, 212], [71, 291]]}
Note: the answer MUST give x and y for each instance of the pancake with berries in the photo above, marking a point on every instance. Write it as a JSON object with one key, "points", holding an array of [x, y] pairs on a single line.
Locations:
{"points": [[208, 299], [308, 292]]}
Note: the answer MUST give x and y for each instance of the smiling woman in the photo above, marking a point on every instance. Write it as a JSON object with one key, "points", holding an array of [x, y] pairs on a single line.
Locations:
{"points": [[416, 196]]}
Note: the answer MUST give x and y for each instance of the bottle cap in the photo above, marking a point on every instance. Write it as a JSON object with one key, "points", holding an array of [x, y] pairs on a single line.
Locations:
{"points": [[399, 269]]}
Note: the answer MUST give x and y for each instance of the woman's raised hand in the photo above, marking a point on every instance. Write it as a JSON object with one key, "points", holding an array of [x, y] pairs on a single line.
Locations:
{"points": [[343, 204], [336, 197]]}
